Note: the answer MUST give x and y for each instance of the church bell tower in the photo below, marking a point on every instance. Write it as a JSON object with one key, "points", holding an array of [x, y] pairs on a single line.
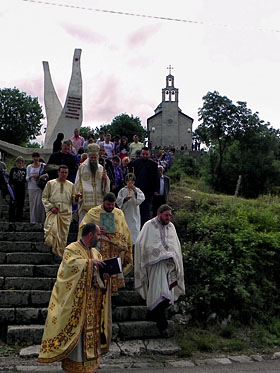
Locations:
{"points": [[169, 125]]}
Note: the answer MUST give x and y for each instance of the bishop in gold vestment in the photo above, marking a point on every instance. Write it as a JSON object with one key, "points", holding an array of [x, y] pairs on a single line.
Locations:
{"points": [[117, 244], [91, 181], [79, 323]]}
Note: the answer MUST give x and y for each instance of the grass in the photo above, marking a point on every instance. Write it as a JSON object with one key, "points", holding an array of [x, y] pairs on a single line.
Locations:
{"points": [[6, 350], [197, 341]]}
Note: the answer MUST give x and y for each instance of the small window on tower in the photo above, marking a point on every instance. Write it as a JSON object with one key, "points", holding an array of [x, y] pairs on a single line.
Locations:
{"points": [[169, 82], [167, 97], [173, 96]]}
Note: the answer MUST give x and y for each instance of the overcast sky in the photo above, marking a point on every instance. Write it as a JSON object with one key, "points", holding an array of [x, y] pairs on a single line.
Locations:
{"points": [[234, 49]]}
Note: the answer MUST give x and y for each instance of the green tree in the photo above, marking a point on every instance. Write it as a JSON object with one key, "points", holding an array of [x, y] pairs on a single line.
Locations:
{"points": [[125, 125], [33, 145], [239, 144], [20, 116], [84, 131], [218, 116]]}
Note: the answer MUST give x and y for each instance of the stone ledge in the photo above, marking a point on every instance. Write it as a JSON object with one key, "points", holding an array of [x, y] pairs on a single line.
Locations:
{"points": [[25, 334], [22, 236], [241, 359], [10, 298], [29, 283], [23, 247], [29, 258], [9, 270]]}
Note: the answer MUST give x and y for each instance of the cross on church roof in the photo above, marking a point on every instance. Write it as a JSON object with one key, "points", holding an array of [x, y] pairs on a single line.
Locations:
{"points": [[170, 68]]}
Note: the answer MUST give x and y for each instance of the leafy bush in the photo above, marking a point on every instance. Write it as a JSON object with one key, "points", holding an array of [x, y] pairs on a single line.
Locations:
{"points": [[231, 254], [184, 165]]}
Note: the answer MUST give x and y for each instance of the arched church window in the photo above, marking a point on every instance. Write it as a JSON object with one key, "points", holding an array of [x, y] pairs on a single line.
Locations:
{"points": [[169, 82], [173, 96], [167, 97]]}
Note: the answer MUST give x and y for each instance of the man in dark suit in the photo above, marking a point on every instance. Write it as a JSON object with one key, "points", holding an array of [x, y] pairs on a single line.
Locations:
{"points": [[66, 158], [161, 195], [147, 179]]}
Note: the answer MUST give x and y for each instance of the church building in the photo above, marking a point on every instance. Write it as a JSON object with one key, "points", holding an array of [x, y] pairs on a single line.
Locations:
{"points": [[169, 125]]}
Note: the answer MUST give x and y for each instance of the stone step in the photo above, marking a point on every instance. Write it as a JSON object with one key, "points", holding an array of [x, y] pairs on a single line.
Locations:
{"points": [[23, 247], [140, 330], [28, 283], [127, 298], [5, 226], [40, 298], [129, 313], [129, 330], [46, 270], [25, 334], [25, 216], [22, 236], [20, 227], [28, 270], [28, 258], [30, 236], [24, 298], [121, 349], [5, 207], [26, 315], [32, 315]]}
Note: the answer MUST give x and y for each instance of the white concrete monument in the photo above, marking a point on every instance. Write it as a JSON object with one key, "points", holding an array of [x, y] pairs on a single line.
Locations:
{"points": [[59, 119], [71, 116], [52, 105]]}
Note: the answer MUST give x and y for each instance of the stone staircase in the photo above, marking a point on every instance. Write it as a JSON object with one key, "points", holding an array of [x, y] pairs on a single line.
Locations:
{"points": [[27, 274]]}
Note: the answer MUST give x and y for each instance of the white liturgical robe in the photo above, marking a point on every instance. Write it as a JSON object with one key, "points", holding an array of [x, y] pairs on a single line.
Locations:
{"points": [[131, 209], [158, 270]]}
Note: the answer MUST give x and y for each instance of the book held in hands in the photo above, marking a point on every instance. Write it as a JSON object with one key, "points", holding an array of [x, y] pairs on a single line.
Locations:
{"points": [[107, 220], [113, 266]]}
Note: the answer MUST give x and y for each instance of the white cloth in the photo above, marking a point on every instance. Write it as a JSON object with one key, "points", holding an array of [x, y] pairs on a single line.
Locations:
{"points": [[109, 148], [131, 210], [158, 276], [36, 207], [161, 188], [31, 171], [157, 244]]}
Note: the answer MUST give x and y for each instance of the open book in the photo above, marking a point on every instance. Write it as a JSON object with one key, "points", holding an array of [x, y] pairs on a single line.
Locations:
{"points": [[113, 266]]}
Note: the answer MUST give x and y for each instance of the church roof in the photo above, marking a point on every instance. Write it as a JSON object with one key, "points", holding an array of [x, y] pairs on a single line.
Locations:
{"points": [[159, 108], [160, 113]]}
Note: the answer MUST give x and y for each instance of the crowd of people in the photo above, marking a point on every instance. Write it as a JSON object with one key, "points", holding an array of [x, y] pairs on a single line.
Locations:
{"points": [[95, 166], [118, 194]]}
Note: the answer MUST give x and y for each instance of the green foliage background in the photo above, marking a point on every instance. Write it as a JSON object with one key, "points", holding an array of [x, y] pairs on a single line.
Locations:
{"points": [[20, 116], [122, 125], [239, 143], [231, 251]]}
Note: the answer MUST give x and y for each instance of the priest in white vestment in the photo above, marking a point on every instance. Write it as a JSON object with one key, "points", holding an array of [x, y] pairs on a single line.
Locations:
{"points": [[129, 199], [158, 270]]}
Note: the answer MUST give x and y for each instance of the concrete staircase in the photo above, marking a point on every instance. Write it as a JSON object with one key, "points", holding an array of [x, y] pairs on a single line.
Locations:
{"points": [[27, 274]]}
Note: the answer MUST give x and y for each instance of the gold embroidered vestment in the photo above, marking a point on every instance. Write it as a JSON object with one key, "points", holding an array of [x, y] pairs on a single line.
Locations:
{"points": [[78, 307]]}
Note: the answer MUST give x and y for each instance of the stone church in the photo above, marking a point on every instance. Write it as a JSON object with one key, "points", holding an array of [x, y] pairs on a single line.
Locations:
{"points": [[169, 125]]}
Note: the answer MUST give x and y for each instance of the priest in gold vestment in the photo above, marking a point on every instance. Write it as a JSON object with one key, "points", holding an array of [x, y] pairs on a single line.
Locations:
{"points": [[58, 197], [79, 322], [113, 244]]}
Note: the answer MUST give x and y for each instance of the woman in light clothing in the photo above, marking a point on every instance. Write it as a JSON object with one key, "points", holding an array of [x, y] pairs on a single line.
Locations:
{"points": [[129, 199], [34, 170]]}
